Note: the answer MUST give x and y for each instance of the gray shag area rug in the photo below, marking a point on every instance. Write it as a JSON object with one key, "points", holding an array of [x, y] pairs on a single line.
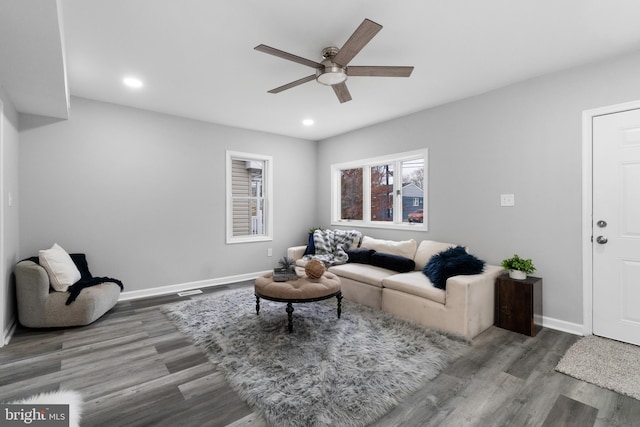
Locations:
{"points": [[609, 364], [329, 371]]}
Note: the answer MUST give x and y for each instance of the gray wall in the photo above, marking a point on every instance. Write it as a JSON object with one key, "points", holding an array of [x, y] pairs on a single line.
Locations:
{"points": [[523, 139], [143, 194], [9, 215]]}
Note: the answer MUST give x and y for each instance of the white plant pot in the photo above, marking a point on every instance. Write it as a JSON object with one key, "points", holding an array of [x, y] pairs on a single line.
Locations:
{"points": [[517, 274]]}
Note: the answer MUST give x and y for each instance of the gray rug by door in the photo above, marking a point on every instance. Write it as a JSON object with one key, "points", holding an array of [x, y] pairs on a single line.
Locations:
{"points": [[329, 371], [606, 363]]}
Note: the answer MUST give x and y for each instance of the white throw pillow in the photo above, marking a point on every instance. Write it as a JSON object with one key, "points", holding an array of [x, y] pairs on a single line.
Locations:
{"points": [[405, 248], [60, 267]]}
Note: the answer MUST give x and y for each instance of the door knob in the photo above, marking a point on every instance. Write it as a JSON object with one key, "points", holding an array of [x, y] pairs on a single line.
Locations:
{"points": [[602, 240]]}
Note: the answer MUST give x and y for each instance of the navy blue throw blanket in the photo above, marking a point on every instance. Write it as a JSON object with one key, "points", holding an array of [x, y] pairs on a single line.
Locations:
{"points": [[75, 289], [86, 279]]}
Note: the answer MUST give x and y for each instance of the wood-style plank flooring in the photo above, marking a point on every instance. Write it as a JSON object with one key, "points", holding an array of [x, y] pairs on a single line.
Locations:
{"points": [[134, 368]]}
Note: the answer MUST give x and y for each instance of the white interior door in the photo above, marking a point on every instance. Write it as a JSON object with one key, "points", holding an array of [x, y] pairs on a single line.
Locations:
{"points": [[616, 226]]}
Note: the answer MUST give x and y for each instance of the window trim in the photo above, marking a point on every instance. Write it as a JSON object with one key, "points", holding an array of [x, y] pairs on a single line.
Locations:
{"points": [[365, 164], [268, 197]]}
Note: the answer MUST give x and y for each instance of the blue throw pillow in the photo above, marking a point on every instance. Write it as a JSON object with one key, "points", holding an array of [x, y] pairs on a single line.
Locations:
{"points": [[360, 256], [311, 246], [393, 262], [449, 263]]}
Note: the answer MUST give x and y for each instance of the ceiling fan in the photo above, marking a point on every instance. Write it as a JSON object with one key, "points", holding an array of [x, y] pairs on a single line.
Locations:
{"points": [[334, 70]]}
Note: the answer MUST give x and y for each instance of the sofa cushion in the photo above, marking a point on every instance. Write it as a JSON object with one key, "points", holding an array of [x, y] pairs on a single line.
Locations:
{"points": [[364, 273], [360, 256], [60, 267], [451, 262], [405, 248], [415, 283], [392, 262], [427, 249]]}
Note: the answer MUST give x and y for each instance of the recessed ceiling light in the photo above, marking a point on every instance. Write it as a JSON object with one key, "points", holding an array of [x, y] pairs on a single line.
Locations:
{"points": [[132, 82], [307, 122]]}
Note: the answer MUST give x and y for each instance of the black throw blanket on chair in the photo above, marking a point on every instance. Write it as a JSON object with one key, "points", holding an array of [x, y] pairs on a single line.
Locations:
{"points": [[86, 279], [75, 289]]}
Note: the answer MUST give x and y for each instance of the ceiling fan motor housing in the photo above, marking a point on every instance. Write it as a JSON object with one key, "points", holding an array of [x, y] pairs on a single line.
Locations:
{"points": [[331, 74]]}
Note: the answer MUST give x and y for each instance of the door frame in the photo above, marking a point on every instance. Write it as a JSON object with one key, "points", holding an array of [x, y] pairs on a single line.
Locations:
{"points": [[587, 206]]}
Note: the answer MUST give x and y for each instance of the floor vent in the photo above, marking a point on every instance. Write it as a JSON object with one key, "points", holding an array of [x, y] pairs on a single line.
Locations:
{"points": [[191, 292]]}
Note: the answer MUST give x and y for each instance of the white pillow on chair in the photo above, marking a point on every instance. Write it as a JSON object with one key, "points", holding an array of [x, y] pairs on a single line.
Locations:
{"points": [[60, 267]]}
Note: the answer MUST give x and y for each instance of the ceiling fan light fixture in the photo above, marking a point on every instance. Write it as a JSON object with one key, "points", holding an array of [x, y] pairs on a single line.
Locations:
{"points": [[330, 75]]}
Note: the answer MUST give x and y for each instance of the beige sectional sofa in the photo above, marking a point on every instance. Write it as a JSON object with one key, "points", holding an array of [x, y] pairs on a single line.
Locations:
{"points": [[465, 308]]}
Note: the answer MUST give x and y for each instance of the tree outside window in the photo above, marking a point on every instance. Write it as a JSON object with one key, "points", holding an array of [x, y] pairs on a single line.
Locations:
{"points": [[351, 194], [382, 193]]}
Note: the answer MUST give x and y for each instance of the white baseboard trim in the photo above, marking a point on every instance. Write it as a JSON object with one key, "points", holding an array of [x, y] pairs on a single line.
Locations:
{"points": [[547, 322], [174, 289], [562, 325]]}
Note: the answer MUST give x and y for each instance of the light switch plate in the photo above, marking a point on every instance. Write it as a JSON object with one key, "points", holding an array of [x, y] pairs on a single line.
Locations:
{"points": [[507, 200]]}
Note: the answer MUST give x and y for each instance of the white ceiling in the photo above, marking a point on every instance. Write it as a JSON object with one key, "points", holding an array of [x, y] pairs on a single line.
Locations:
{"points": [[196, 57]]}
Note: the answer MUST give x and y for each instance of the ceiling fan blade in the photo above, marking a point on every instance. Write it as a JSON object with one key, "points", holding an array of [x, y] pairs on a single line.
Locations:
{"points": [[293, 84], [382, 71], [342, 92], [361, 36], [285, 55]]}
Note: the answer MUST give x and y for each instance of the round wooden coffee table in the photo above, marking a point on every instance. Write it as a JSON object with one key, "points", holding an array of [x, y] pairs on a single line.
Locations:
{"points": [[302, 290]]}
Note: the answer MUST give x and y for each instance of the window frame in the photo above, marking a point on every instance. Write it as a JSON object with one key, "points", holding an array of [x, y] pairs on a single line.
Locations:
{"points": [[397, 160], [267, 187]]}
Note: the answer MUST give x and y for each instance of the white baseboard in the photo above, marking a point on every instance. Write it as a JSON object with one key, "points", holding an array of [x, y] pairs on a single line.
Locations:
{"points": [[174, 289], [562, 325], [547, 322], [152, 292]]}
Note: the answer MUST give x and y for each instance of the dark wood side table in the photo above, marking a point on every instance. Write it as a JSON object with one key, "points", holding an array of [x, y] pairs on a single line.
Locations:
{"points": [[519, 304]]}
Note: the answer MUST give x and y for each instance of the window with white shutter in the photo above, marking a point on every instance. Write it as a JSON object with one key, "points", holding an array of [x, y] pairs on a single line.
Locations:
{"points": [[249, 211]]}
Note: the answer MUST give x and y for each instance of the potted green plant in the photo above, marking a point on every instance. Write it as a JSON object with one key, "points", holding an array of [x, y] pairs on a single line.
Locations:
{"points": [[518, 267]]}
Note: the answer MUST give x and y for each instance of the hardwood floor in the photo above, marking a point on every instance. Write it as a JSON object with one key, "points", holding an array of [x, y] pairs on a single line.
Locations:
{"points": [[134, 368]]}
